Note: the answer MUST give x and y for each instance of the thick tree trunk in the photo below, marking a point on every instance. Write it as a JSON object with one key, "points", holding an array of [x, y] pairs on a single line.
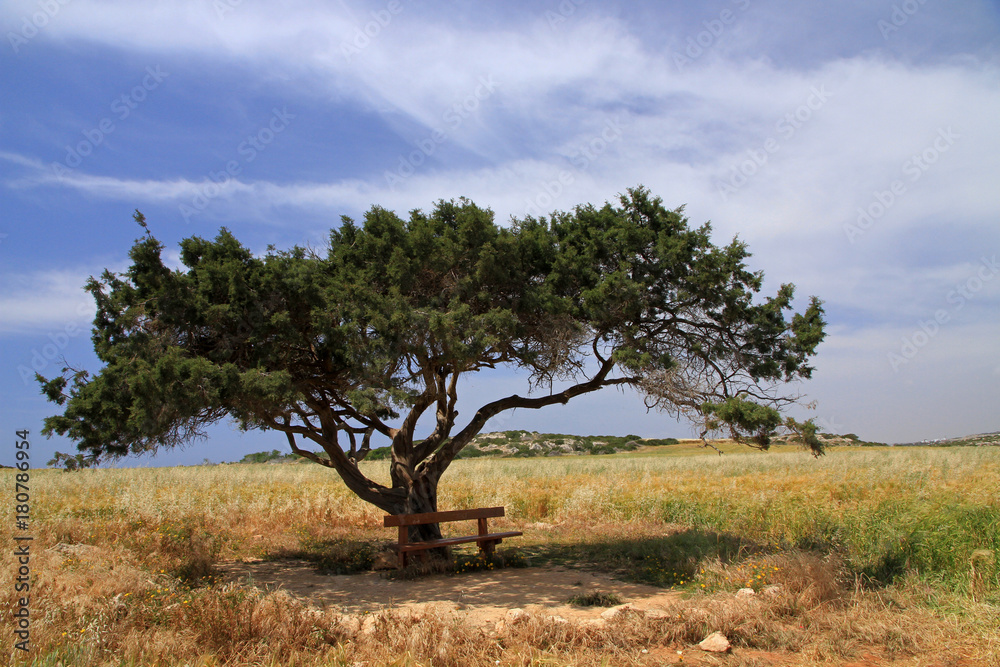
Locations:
{"points": [[421, 498]]}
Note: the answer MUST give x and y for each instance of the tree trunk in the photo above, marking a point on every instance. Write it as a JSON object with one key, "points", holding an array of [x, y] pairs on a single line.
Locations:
{"points": [[422, 498]]}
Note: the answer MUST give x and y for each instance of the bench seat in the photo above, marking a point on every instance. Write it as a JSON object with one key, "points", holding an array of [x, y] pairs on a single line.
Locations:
{"points": [[448, 541], [486, 540]]}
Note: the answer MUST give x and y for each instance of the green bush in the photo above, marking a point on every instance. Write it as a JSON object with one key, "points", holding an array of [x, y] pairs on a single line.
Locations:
{"points": [[273, 455]]}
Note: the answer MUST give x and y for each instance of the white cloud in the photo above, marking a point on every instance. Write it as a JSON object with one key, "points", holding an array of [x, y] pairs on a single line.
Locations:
{"points": [[49, 300], [119, 189], [871, 118], [22, 160], [836, 134]]}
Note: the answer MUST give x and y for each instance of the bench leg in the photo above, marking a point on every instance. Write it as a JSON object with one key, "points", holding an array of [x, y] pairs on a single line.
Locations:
{"points": [[487, 548], [404, 535]]}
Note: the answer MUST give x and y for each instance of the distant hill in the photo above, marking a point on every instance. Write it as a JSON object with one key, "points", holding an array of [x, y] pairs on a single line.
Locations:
{"points": [[831, 440], [529, 444], [525, 444], [509, 444], [980, 440]]}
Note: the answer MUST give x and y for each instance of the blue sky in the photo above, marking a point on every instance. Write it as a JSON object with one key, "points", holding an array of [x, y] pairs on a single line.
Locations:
{"points": [[853, 145]]}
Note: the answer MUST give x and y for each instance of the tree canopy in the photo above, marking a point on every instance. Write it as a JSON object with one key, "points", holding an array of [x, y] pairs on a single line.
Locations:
{"points": [[360, 340]]}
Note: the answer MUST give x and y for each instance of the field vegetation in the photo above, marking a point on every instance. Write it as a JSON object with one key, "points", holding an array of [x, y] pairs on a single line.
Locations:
{"points": [[884, 552]]}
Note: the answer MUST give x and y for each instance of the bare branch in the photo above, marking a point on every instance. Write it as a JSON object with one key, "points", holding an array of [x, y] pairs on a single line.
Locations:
{"points": [[305, 453], [444, 456]]}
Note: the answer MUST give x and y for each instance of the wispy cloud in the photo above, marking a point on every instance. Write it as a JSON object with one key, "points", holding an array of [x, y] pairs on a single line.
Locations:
{"points": [[44, 300], [860, 166]]}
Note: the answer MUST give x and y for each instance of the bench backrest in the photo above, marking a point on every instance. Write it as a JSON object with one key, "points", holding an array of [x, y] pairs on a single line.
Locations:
{"points": [[439, 517]]}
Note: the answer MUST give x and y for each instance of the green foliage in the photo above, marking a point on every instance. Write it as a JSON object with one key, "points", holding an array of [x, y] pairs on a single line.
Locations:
{"points": [[365, 339], [264, 457], [755, 424], [745, 418], [805, 434], [71, 462], [473, 452]]}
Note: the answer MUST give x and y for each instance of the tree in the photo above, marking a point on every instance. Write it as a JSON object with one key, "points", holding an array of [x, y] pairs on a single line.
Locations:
{"points": [[365, 339]]}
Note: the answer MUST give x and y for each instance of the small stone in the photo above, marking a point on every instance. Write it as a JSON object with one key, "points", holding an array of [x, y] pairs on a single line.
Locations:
{"points": [[517, 615], [620, 611], [772, 591], [746, 593], [715, 643]]}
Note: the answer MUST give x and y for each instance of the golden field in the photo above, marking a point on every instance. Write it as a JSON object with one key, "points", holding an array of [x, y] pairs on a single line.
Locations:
{"points": [[882, 554]]}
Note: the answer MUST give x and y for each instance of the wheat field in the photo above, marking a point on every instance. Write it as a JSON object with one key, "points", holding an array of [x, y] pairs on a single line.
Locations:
{"points": [[884, 551]]}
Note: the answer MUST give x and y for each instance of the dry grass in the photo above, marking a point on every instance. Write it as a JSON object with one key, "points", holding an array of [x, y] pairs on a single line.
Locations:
{"points": [[879, 551]]}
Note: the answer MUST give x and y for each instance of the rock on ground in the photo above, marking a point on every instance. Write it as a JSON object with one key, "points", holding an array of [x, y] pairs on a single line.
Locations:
{"points": [[620, 611], [715, 643]]}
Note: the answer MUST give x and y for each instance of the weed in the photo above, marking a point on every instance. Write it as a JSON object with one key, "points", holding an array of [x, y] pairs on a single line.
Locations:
{"points": [[595, 599]]}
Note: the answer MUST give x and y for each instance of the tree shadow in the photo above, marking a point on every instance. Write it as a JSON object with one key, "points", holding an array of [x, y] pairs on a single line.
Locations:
{"points": [[665, 561], [662, 561], [333, 555], [884, 571]]}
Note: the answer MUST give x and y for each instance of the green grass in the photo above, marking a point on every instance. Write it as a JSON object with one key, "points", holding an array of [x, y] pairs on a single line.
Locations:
{"points": [[886, 511]]}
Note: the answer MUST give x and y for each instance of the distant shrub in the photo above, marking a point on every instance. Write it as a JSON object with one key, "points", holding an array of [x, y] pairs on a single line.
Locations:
{"points": [[661, 442], [264, 457], [472, 452]]}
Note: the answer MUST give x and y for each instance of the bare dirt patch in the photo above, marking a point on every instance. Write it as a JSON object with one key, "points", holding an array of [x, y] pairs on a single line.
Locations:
{"points": [[479, 597], [483, 599]]}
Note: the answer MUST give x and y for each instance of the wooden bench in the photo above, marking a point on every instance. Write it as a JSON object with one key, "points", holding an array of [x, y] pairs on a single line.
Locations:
{"points": [[487, 541]]}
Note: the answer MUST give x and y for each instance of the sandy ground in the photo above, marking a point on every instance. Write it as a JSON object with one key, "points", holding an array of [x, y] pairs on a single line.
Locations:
{"points": [[483, 598], [480, 597]]}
